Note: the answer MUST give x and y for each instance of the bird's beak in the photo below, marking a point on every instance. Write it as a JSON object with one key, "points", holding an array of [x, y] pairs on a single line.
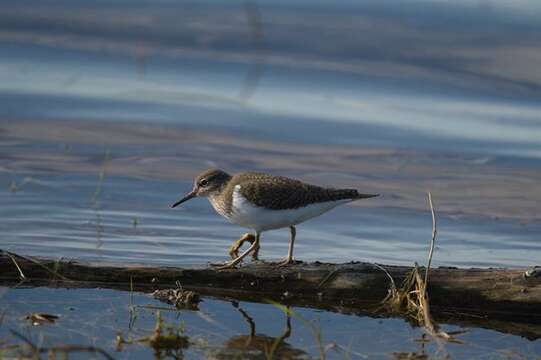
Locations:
{"points": [[185, 198]]}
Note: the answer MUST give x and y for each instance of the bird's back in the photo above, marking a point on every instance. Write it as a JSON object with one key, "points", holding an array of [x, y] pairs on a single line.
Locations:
{"points": [[282, 193]]}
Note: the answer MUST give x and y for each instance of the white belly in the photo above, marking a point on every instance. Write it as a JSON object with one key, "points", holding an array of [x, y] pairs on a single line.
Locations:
{"points": [[248, 215]]}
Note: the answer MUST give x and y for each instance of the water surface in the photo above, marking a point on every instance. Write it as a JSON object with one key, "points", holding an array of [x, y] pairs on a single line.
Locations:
{"points": [[111, 201], [221, 329]]}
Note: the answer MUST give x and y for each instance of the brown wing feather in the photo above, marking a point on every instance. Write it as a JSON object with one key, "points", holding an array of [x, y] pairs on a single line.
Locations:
{"points": [[279, 193]]}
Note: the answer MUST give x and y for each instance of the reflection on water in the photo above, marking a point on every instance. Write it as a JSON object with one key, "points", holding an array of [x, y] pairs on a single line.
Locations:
{"points": [[257, 346], [221, 331]]}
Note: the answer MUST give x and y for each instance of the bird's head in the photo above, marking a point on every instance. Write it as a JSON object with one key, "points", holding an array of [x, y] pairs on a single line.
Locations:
{"points": [[207, 183]]}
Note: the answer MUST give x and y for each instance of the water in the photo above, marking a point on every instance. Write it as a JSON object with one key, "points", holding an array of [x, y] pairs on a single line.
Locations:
{"points": [[66, 195], [108, 109], [220, 329]]}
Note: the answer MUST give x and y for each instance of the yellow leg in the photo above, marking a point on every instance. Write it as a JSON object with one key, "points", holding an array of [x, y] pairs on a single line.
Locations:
{"points": [[234, 250], [231, 264], [289, 259]]}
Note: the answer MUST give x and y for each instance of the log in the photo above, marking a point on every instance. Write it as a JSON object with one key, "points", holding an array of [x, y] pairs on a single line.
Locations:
{"points": [[466, 296]]}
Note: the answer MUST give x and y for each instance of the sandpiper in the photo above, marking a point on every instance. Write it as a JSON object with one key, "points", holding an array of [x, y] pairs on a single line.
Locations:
{"points": [[262, 202]]}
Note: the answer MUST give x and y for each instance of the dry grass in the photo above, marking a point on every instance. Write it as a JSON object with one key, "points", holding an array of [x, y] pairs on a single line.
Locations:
{"points": [[54, 271], [21, 274], [166, 340], [411, 299]]}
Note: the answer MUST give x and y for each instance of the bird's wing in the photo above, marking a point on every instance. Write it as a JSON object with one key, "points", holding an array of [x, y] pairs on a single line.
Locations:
{"points": [[279, 193]]}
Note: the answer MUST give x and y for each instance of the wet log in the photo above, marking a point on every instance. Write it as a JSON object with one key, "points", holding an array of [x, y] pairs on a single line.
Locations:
{"points": [[491, 294]]}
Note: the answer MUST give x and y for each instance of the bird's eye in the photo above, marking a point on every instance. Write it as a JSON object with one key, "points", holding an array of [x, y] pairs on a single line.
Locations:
{"points": [[203, 182]]}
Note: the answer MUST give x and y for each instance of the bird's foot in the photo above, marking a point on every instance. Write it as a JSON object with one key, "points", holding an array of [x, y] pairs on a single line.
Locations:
{"points": [[217, 264], [285, 262], [255, 254], [225, 265], [234, 250]]}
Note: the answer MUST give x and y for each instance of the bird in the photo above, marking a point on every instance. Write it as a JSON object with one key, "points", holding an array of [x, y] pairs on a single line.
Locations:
{"points": [[262, 202]]}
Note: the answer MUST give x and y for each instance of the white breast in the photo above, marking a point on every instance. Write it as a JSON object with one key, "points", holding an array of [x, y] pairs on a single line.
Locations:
{"points": [[246, 214]]}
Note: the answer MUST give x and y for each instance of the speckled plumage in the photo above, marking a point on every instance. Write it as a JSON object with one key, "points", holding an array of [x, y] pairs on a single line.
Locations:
{"points": [[282, 193]]}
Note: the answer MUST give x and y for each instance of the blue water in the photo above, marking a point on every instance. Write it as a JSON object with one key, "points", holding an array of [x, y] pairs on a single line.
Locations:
{"points": [[96, 318], [132, 222], [436, 76]]}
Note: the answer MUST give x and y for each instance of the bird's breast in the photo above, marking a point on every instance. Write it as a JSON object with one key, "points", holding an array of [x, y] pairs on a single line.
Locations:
{"points": [[220, 206], [245, 213]]}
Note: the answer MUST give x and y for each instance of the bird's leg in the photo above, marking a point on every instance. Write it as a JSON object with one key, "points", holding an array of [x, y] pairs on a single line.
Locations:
{"points": [[234, 250], [289, 259], [255, 254], [233, 263]]}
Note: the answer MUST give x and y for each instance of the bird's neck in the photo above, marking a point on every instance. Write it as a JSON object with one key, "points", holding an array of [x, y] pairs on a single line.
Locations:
{"points": [[218, 203], [217, 199]]}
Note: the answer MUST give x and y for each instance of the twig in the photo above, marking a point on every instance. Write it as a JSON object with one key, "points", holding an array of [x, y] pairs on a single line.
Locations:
{"points": [[412, 297], [432, 328], [131, 307], [433, 241], [17, 265], [154, 307], [393, 284], [11, 255]]}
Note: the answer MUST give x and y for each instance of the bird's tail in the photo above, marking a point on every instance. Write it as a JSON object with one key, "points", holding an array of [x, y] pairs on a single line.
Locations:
{"points": [[349, 194], [365, 196]]}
